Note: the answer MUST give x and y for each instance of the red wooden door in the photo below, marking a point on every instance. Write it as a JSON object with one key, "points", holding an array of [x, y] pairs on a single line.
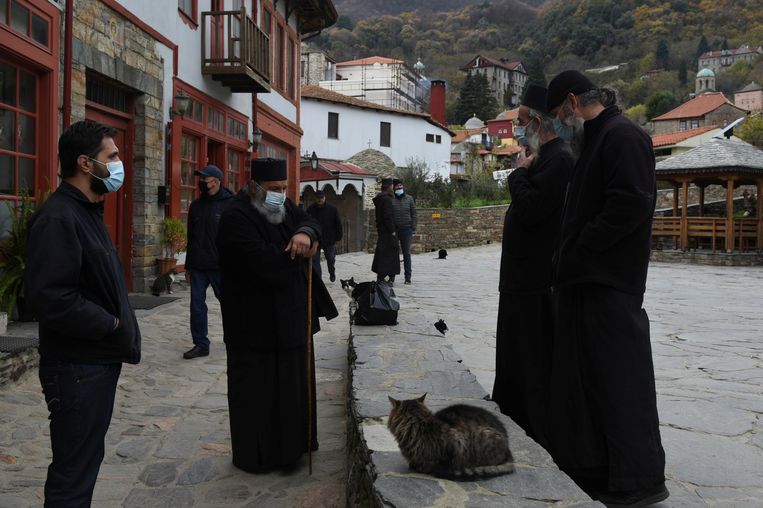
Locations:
{"points": [[117, 212]]}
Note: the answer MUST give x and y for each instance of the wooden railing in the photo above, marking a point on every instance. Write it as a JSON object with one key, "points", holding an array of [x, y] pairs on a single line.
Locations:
{"points": [[232, 44], [710, 231]]}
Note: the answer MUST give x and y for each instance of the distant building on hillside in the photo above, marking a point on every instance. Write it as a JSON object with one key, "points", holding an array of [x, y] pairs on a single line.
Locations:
{"points": [[384, 81], [504, 76], [315, 66], [716, 61], [750, 97], [706, 109]]}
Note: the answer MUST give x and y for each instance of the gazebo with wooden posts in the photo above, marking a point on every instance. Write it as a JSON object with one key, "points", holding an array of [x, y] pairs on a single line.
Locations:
{"points": [[725, 162]]}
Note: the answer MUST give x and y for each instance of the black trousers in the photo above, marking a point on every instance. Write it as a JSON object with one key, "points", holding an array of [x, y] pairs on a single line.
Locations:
{"points": [[603, 427], [80, 399]]}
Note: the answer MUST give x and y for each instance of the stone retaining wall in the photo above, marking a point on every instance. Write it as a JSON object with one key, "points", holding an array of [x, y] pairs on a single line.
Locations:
{"points": [[14, 365], [448, 228], [405, 361], [700, 257]]}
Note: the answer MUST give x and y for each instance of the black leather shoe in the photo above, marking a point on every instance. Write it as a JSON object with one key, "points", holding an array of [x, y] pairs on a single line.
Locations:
{"points": [[407, 281], [642, 497], [332, 277], [195, 352]]}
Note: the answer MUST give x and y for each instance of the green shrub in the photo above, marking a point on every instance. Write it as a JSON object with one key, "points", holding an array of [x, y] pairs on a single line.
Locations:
{"points": [[174, 236]]}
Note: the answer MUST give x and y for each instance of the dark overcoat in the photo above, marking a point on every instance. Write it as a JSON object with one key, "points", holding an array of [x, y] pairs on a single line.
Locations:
{"points": [[602, 426], [264, 291], [387, 254]]}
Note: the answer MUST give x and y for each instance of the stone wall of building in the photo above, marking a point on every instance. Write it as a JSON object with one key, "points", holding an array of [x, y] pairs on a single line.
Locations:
{"points": [[107, 45], [447, 228]]}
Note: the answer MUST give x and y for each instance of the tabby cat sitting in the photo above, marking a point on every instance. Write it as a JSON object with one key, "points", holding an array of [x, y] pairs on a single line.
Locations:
{"points": [[458, 442]]}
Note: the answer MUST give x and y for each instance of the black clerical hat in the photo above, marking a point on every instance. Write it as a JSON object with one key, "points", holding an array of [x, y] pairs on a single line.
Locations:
{"points": [[268, 170], [535, 97], [567, 82]]}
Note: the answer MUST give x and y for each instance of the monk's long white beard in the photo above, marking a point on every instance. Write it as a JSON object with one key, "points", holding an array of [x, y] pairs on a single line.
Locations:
{"points": [[272, 216]]}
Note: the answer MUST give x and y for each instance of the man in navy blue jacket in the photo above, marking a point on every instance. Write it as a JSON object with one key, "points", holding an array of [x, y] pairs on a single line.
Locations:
{"points": [[76, 288], [603, 428], [201, 264]]}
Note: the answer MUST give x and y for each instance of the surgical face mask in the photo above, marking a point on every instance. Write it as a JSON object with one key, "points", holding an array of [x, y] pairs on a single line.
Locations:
{"points": [[563, 130], [273, 200], [399, 192], [116, 176], [520, 133], [203, 187]]}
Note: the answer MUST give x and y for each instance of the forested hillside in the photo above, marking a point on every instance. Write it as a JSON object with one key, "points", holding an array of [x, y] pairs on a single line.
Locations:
{"points": [[661, 36]]}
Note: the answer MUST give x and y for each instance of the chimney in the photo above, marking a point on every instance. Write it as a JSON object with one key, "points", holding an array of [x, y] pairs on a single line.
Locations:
{"points": [[437, 101]]}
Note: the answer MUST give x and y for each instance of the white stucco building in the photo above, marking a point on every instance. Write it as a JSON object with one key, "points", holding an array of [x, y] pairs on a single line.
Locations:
{"points": [[337, 127]]}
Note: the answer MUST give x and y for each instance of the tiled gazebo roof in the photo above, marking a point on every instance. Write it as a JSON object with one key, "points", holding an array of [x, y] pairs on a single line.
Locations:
{"points": [[715, 156]]}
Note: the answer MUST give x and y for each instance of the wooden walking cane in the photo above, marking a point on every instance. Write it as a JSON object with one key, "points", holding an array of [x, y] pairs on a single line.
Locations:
{"points": [[310, 365]]}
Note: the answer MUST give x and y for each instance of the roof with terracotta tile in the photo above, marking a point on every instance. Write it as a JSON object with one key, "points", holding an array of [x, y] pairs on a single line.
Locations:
{"points": [[328, 169], [486, 61], [730, 52], [369, 61], [697, 107], [322, 94], [464, 134], [671, 138]]}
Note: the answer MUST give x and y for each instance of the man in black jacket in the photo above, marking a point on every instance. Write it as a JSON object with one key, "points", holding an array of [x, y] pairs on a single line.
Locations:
{"points": [[331, 232], [202, 268], [265, 244], [524, 334], [386, 262], [76, 288], [603, 424]]}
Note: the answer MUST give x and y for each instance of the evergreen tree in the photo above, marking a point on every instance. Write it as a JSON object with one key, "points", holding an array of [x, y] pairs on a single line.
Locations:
{"points": [[703, 47], [725, 44], [682, 73], [475, 98], [662, 54], [659, 103], [535, 74]]}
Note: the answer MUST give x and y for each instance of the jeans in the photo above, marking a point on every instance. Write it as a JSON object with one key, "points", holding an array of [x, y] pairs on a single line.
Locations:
{"points": [[406, 239], [200, 281], [80, 399], [330, 252]]}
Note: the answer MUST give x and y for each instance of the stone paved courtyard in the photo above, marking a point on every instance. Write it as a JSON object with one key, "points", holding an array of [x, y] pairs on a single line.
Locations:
{"points": [[169, 444]]}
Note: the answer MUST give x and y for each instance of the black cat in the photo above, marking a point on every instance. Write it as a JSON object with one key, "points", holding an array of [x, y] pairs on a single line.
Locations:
{"points": [[348, 285], [442, 254], [164, 283]]}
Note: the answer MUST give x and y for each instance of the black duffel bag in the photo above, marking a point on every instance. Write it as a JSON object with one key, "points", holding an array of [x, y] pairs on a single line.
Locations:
{"points": [[376, 305]]}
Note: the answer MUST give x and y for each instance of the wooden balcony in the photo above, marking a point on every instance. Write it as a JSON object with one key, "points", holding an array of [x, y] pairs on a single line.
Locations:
{"points": [[235, 51]]}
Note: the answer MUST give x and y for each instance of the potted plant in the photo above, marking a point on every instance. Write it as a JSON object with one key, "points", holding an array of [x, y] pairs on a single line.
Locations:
{"points": [[12, 257], [173, 242]]}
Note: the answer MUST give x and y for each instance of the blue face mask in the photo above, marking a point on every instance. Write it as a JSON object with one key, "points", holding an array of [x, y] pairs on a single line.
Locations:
{"points": [[562, 130], [116, 176], [273, 200], [520, 134], [399, 192]]}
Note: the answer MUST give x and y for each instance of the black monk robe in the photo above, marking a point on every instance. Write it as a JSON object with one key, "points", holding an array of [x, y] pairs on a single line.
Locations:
{"points": [[603, 428], [264, 307], [386, 260], [524, 332]]}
